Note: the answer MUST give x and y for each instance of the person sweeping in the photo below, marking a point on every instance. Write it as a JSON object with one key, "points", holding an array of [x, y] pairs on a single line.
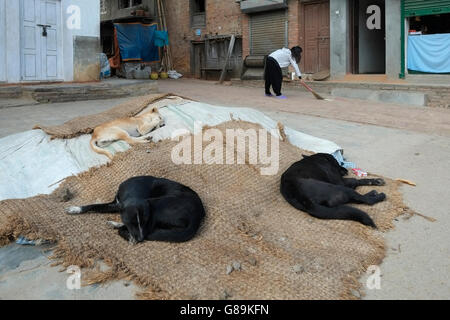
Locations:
{"points": [[278, 59]]}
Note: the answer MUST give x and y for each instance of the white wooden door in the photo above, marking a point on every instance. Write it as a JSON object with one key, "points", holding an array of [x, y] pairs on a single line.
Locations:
{"points": [[2, 41], [41, 37]]}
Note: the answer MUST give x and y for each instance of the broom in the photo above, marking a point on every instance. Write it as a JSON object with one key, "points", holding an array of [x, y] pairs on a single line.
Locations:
{"points": [[318, 96]]}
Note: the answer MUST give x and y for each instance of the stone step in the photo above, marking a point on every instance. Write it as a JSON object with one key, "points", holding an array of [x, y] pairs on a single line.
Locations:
{"points": [[63, 92]]}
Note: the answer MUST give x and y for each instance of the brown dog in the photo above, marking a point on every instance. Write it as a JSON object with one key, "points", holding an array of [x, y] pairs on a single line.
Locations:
{"points": [[132, 130]]}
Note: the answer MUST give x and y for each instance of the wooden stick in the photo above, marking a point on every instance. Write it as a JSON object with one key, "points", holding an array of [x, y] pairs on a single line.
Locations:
{"points": [[161, 27], [169, 54], [230, 51], [406, 182]]}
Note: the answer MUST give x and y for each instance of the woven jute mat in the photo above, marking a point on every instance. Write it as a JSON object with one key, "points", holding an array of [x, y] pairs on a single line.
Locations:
{"points": [[86, 124], [283, 253]]}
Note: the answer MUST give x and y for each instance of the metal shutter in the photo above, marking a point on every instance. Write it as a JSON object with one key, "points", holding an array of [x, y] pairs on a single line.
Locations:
{"points": [[268, 32], [425, 7]]}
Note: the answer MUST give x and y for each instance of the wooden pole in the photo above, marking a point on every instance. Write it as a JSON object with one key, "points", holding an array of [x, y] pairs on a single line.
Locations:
{"points": [[163, 27], [230, 51], [169, 54]]}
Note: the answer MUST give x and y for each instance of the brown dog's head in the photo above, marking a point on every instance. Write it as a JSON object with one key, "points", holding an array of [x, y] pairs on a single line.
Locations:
{"points": [[154, 117]]}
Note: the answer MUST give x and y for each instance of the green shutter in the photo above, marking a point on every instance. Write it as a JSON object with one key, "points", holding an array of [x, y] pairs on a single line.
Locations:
{"points": [[426, 7]]}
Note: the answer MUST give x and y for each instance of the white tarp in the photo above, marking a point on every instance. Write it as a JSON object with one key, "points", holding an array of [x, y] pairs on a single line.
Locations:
{"points": [[31, 163]]}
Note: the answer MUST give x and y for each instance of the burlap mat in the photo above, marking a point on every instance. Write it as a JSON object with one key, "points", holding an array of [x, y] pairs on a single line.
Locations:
{"points": [[86, 124], [283, 253]]}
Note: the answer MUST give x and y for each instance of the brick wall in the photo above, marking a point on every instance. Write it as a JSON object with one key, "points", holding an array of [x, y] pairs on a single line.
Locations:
{"points": [[293, 25], [245, 35], [180, 33], [223, 17]]}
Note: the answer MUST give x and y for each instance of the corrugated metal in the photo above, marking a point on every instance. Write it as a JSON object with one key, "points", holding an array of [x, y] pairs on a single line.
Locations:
{"points": [[268, 32], [426, 7]]}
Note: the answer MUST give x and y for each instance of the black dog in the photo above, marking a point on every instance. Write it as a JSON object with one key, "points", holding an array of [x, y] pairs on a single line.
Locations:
{"points": [[153, 209], [316, 185]]}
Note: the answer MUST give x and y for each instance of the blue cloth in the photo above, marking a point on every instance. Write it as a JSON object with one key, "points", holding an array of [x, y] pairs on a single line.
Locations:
{"points": [[429, 53], [342, 162], [161, 38], [136, 42]]}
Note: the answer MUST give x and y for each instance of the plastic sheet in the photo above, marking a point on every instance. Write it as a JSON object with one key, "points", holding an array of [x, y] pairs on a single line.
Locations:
{"points": [[31, 163]]}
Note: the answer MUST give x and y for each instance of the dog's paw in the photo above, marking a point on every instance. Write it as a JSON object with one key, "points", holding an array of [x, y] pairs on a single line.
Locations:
{"points": [[381, 196], [115, 225], [378, 182], [132, 240], [372, 193], [73, 210]]}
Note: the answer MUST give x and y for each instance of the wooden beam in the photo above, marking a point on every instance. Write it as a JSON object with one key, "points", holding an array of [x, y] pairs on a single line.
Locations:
{"points": [[230, 51]]}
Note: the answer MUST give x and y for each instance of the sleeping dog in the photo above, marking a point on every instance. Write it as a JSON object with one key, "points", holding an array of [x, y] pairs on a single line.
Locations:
{"points": [[132, 130], [152, 209], [316, 185]]}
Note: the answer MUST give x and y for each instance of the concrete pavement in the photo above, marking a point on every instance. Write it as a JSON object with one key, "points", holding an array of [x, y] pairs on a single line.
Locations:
{"points": [[395, 141]]}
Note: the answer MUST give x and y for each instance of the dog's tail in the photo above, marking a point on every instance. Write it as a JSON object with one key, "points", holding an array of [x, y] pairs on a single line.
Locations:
{"points": [[112, 207], [341, 212], [97, 149]]}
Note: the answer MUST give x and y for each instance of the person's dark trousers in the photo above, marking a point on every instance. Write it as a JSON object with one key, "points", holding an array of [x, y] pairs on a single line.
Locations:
{"points": [[273, 76]]}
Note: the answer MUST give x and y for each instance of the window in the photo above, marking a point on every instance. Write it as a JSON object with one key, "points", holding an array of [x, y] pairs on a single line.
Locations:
{"points": [[199, 6], [198, 13], [430, 24], [129, 3]]}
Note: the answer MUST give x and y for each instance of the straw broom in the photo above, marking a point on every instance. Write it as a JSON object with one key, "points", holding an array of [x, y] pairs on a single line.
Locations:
{"points": [[318, 96]]}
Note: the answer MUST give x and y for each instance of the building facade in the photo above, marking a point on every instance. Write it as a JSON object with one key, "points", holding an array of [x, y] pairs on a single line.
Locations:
{"points": [[49, 40], [341, 37], [200, 33], [112, 11]]}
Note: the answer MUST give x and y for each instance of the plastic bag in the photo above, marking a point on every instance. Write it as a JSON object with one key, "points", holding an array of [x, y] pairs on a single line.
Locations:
{"points": [[105, 68]]}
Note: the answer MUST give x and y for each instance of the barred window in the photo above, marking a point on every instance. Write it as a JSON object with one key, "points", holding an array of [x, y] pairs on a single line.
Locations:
{"points": [[103, 9], [129, 3]]}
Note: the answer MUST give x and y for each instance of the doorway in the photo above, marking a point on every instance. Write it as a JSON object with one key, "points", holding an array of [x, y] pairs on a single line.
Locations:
{"points": [[316, 36], [2, 41], [198, 58], [40, 40], [368, 37]]}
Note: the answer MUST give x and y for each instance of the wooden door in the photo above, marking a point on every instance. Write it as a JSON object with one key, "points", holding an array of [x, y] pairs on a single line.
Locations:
{"points": [[198, 59], [316, 26], [50, 16], [40, 52], [31, 40], [2, 41]]}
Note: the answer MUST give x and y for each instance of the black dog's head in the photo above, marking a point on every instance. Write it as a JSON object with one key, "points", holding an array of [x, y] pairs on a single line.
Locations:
{"points": [[137, 218], [331, 160]]}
